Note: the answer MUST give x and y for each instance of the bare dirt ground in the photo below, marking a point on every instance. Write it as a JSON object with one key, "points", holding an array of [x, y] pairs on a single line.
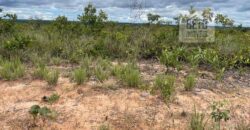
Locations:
{"points": [[89, 106]]}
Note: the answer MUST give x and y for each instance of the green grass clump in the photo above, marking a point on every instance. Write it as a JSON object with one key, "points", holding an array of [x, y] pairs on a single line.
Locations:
{"points": [[165, 83], [52, 77], [102, 70], [80, 76], [104, 127], [129, 74], [190, 82], [11, 70], [41, 72], [53, 98], [197, 121]]}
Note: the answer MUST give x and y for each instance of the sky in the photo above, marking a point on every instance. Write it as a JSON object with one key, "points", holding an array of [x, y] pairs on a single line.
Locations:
{"points": [[123, 10]]}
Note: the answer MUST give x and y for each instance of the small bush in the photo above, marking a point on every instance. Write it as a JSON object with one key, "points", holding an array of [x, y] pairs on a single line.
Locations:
{"points": [[190, 82], [79, 76], [197, 121], [41, 72], [12, 70], [165, 83], [52, 77], [43, 112], [173, 58], [220, 112]]}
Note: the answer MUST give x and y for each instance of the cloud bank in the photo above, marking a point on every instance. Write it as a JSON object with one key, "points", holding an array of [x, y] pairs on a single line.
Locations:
{"points": [[121, 10]]}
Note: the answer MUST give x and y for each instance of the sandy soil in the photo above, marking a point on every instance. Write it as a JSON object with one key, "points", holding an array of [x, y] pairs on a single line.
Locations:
{"points": [[89, 106]]}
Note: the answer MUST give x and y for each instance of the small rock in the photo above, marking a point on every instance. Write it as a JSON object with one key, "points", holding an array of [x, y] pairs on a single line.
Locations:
{"points": [[197, 90], [145, 94], [80, 91]]}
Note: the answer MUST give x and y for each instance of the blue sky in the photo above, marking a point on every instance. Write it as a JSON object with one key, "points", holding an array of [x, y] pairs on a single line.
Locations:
{"points": [[120, 10]]}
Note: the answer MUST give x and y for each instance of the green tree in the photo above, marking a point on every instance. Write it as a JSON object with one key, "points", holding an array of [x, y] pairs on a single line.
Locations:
{"points": [[91, 20], [184, 18], [89, 16], [102, 16], [224, 20], [7, 22], [152, 18]]}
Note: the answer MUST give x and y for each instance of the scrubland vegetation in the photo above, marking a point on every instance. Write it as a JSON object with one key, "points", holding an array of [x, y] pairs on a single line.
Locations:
{"points": [[91, 44]]}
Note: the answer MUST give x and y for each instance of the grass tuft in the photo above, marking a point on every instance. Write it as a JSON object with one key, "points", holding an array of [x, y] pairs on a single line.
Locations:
{"points": [[12, 70], [190, 82], [80, 76], [52, 77], [165, 83]]}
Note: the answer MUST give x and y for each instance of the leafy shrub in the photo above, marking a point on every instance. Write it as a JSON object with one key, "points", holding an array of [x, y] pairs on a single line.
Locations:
{"points": [[44, 112], [52, 77], [190, 82], [165, 83], [18, 42], [12, 70], [220, 112], [197, 121], [41, 72], [80, 75], [173, 58]]}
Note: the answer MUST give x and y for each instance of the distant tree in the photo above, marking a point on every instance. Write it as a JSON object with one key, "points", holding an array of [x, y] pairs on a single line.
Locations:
{"points": [[191, 15], [152, 18], [7, 22], [207, 14], [91, 20], [224, 20], [11, 17], [89, 17], [192, 10], [1, 10], [61, 23], [102, 16]]}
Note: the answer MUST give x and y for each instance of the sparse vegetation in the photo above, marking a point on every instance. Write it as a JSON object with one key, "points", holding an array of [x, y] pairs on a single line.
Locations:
{"points": [[84, 50]]}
